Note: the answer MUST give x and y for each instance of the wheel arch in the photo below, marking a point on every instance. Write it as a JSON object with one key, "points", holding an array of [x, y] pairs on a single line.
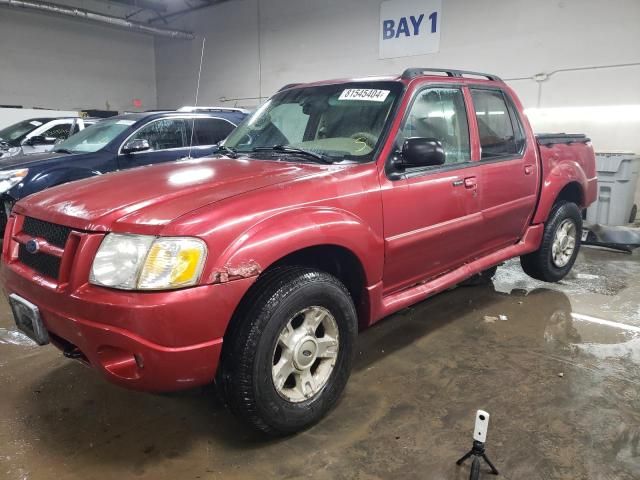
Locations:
{"points": [[565, 182], [330, 240]]}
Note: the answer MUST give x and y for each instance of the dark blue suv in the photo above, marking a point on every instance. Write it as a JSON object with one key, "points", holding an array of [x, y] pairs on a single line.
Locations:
{"points": [[125, 141]]}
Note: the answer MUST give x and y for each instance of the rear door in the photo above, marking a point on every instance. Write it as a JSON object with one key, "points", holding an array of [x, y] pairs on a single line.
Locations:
{"points": [[432, 219], [509, 172]]}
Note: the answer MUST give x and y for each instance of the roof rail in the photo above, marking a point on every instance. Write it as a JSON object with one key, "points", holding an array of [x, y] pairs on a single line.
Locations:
{"points": [[410, 73]]}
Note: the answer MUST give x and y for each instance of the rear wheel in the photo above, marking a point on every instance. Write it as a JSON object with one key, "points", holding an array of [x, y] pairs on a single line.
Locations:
{"points": [[288, 358], [559, 247]]}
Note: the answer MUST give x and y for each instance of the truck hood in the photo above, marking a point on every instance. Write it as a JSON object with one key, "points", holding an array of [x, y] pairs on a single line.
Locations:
{"points": [[145, 199]]}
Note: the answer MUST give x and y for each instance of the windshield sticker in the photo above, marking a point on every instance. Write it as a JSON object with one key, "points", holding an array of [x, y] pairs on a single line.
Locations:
{"points": [[35, 123], [366, 94], [125, 122]]}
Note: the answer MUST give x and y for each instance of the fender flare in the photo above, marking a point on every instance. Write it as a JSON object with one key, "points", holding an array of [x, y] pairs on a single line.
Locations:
{"points": [[558, 178], [273, 238]]}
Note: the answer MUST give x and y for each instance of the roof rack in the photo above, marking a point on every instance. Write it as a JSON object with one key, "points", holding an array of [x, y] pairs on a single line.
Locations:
{"points": [[410, 73]]}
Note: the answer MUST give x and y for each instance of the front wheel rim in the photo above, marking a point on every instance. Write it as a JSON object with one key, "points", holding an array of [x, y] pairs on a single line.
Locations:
{"points": [[564, 243], [305, 354]]}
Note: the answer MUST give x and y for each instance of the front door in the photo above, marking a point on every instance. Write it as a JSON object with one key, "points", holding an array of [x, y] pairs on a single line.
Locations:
{"points": [[432, 214], [168, 139]]}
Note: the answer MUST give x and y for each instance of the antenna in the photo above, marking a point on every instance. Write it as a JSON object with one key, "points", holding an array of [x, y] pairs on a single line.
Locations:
{"points": [[193, 119]]}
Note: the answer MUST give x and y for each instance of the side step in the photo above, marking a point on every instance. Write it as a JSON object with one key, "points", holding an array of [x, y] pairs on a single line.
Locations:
{"points": [[404, 298]]}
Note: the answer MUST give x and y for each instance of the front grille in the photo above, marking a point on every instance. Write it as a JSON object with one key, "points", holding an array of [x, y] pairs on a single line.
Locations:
{"points": [[54, 234], [47, 265]]}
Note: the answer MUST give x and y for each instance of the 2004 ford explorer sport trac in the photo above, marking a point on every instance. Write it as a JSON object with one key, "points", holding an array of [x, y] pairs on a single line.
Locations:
{"points": [[332, 206]]}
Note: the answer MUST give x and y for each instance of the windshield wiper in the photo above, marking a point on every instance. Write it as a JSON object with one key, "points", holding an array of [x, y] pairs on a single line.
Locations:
{"points": [[230, 151], [63, 150], [289, 149]]}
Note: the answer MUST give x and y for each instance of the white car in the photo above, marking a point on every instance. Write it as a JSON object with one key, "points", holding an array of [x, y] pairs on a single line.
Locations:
{"points": [[39, 135]]}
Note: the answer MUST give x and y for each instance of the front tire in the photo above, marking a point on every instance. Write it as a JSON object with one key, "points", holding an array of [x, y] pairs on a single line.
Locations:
{"points": [[289, 352], [559, 247]]}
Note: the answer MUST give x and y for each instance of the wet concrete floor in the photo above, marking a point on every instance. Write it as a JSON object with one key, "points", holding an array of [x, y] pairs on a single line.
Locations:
{"points": [[560, 377]]}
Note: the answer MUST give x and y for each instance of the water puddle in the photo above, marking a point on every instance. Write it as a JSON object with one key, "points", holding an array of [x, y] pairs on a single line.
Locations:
{"points": [[13, 337]]}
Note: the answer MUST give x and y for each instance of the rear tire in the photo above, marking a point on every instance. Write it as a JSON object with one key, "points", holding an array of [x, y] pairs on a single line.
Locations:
{"points": [[279, 372], [559, 247]]}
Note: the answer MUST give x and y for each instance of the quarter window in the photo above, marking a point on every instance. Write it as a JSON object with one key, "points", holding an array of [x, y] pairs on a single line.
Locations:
{"points": [[439, 113], [164, 134], [496, 121]]}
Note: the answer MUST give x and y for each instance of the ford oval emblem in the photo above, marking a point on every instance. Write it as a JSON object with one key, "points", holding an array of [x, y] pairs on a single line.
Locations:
{"points": [[32, 246]]}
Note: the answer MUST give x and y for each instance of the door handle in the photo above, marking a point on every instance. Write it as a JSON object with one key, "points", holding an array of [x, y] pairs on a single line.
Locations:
{"points": [[470, 182], [528, 169]]}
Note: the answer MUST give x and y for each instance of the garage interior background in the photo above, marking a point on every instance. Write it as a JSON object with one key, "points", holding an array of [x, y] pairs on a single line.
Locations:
{"points": [[256, 46]]}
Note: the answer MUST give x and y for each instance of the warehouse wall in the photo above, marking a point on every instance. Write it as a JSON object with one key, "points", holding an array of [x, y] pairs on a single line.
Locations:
{"points": [[311, 39], [53, 62]]}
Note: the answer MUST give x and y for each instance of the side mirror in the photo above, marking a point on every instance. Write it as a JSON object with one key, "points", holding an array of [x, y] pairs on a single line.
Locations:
{"points": [[41, 140], [422, 152], [136, 145]]}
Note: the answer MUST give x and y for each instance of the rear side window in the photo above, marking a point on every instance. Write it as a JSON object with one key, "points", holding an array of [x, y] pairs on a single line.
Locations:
{"points": [[209, 131], [440, 114], [501, 134]]}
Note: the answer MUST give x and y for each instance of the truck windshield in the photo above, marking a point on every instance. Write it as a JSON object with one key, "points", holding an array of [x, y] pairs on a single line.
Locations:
{"points": [[95, 137], [340, 121]]}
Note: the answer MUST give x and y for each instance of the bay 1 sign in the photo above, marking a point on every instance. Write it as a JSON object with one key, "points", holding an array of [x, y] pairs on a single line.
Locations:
{"points": [[409, 27]]}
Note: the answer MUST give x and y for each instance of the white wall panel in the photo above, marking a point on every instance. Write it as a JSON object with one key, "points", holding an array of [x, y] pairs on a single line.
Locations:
{"points": [[53, 62]]}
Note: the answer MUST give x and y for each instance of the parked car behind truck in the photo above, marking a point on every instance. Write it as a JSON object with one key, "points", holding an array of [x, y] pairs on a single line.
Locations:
{"points": [[39, 135], [116, 143], [337, 204]]}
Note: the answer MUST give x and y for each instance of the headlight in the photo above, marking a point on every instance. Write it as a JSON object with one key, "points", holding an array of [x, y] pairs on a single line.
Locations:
{"points": [[142, 262], [10, 178]]}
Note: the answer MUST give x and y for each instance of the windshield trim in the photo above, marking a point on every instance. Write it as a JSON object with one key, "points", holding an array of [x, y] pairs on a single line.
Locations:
{"points": [[371, 157]]}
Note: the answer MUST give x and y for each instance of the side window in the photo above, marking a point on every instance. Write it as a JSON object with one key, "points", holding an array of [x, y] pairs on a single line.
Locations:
{"points": [[496, 125], [164, 134], [209, 131], [440, 113], [60, 131]]}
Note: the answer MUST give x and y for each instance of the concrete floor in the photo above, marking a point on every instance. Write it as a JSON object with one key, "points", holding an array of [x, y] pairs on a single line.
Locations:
{"points": [[560, 378]]}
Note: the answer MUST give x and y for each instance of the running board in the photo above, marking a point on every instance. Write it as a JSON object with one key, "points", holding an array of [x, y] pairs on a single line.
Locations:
{"points": [[404, 298]]}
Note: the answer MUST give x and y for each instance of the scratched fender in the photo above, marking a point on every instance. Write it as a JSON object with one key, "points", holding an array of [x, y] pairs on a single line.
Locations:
{"points": [[277, 236]]}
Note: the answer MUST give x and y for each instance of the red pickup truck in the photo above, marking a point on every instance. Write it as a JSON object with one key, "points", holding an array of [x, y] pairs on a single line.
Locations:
{"points": [[332, 206]]}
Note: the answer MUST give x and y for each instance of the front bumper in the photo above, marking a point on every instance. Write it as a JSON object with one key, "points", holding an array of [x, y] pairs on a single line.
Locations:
{"points": [[155, 341]]}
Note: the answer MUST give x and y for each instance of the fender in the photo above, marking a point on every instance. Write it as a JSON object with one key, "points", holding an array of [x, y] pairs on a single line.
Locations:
{"points": [[560, 176], [275, 237]]}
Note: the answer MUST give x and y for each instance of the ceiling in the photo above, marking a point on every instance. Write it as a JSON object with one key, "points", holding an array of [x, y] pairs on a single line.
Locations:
{"points": [[158, 12]]}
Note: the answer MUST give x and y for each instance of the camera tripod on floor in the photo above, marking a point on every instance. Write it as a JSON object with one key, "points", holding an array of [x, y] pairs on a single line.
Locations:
{"points": [[477, 451]]}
